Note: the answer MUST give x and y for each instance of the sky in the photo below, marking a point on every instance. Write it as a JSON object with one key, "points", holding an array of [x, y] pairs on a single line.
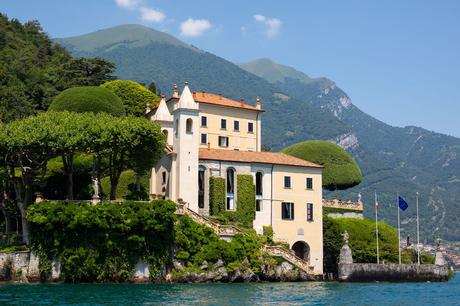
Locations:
{"points": [[399, 61]]}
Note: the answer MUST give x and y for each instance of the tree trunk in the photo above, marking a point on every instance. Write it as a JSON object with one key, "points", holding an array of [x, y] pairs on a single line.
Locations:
{"points": [[67, 160], [25, 226]]}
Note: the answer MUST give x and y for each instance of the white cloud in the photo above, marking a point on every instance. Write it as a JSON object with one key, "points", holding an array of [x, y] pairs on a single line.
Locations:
{"points": [[151, 15], [272, 25], [127, 4], [194, 27]]}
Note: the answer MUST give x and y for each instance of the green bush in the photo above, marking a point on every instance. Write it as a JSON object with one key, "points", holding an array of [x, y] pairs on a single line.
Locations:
{"points": [[216, 195], [102, 242], [340, 170], [268, 233], [246, 199], [134, 96], [127, 186], [88, 99], [362, 241]]}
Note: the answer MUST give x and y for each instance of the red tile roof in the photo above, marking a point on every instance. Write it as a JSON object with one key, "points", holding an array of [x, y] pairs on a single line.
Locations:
{"points": [[209, 98], [276, 158]]}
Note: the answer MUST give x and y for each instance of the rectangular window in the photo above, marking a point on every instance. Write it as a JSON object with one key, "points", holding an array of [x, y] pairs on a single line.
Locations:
{"points": [[163, 177], [287, 182], [250, 127], [223, 141], [309, 183], [258, 205], [236, 126], [223, 124], [287, 211], [204, 121], [309, 212], [204, 138]]}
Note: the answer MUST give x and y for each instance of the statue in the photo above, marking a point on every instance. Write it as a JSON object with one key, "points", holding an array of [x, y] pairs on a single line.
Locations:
{"points": [[345, 237], [96, 187], [359, 197]]}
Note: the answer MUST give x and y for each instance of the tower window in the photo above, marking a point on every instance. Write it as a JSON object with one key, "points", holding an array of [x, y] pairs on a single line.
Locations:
{"points": [[287, 182], [250, 127], [223, 124], [189, 126], [309, 183], [204, 138], [287, 211], [204, 121], [309, 212], [236, 125]]}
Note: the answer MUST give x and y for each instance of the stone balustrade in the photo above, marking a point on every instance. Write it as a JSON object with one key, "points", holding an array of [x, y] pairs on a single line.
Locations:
{"points": [[336, 203], [289, 256]]}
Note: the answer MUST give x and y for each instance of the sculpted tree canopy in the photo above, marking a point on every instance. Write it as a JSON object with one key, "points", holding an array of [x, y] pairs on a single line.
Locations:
{"points": [[88, 99], [340, 169], [134, 96]]}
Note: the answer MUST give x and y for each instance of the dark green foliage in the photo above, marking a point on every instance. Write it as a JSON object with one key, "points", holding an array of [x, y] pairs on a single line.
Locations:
{"points": [[340, 169], [103, 242], [409, 256], [328, 210], [196, 243], [86, 72], [246, 203], [126, 188], [216, 195], [362, 241], [134, 96], [268, 233], [88, 99]]}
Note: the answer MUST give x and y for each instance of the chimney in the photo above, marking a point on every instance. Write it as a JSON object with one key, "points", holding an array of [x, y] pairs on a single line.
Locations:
{"points": [[175, 92], [258, 106]]}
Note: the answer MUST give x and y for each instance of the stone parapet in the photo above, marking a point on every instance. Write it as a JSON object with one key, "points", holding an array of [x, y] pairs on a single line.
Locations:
{"points": [[336, 203]]}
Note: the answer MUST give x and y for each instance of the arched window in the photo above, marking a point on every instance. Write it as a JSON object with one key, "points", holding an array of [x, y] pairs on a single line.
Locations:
{"points": [[201, 182], [230, 189], [189, 125], [259, 187]]}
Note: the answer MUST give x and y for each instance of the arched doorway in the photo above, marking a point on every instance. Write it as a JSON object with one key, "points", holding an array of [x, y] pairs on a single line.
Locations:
{"points": [[301, 250]]}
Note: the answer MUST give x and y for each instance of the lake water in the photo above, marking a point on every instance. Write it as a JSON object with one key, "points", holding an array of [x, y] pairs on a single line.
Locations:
{"points": [[308, 293]]}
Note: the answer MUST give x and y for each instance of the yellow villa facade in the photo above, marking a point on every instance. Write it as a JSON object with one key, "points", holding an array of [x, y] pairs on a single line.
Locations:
{"points": [[210, 135]]}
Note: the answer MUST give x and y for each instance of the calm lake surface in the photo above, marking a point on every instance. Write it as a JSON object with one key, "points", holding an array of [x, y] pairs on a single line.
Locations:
{"points": [[309, 293]]}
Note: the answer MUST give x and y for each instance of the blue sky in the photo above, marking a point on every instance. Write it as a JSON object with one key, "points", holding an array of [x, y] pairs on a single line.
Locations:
{"points": [[398, 60]]}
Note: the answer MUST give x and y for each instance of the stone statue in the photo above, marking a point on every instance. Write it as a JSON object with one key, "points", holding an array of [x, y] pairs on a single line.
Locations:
{"points": [[96, 187], [345, 237], [438, 244], [359, 197]]}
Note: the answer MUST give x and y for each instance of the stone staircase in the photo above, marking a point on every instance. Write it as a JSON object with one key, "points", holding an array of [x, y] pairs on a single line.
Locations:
{"points": [[228, 231]]}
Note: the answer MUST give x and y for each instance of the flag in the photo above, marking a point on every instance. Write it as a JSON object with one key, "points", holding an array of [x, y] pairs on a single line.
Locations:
{"points": [[402, 203]]}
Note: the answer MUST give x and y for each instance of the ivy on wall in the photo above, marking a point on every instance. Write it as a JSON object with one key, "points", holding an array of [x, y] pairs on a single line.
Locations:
{"points": [[102, 242], [216, 195], [246, 199]]}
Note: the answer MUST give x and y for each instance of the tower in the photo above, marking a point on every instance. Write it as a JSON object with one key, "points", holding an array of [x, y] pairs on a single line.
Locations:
{"points": [[164, 118], [186, 147]]}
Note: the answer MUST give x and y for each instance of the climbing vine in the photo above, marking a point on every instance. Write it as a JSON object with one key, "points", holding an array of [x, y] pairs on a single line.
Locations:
{"points": [[216, 195]]}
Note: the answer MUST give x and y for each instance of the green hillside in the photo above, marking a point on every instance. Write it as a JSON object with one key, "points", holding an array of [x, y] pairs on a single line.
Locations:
{"points": [[300, 108], [393, 160]]}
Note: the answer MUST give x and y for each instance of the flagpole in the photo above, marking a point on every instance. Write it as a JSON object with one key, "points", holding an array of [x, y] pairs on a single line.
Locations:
{"points": [[376, 226], [399, 230], [418, 235]]}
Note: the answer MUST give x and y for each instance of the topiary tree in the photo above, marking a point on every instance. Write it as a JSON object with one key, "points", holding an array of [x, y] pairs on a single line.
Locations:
{"points": [[134, 96], [92, 99], [340, 169]]}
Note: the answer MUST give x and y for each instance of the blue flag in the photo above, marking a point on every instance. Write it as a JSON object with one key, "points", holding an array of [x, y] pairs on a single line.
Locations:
{"points": [[402, 203]]}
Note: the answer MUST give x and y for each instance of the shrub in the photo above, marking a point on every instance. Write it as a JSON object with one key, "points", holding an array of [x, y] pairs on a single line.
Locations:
{"points": [[126, 188], [340, 170], [102, 242], [134, 96], [268, 233], [246, 199], [216, 195], [88, 99]]}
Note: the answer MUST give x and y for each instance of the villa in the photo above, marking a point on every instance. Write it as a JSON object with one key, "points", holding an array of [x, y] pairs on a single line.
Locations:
{"points": [[209, 135]]}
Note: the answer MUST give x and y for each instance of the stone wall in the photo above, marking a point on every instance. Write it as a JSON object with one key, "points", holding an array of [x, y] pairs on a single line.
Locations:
{"points": [[335, 203], [19, 266], [357, 272], [353, 215]]}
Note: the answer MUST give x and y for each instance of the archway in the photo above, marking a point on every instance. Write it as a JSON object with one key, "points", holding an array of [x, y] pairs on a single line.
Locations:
{"points": [[301, 250]]}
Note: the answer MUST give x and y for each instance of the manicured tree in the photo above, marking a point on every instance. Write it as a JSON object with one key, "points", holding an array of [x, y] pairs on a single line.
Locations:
{"points": [[89, 99], [29, 145], [340, 169], [134, 96], [126, 141]]}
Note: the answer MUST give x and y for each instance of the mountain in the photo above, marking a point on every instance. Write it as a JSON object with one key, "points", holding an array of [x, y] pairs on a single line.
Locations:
{"points": [[392, 159], [297, 108]]}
